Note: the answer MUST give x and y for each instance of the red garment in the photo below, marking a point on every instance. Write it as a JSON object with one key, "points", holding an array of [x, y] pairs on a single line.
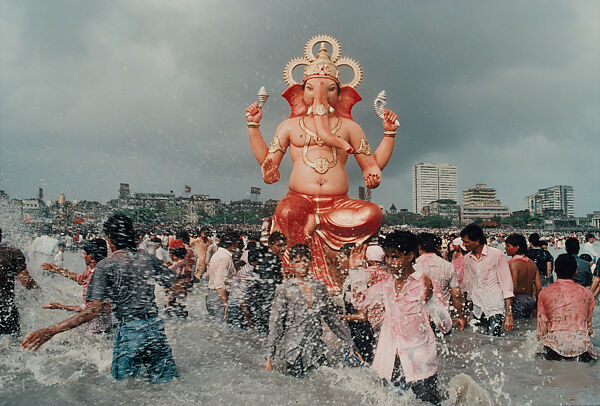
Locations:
{"points": [[340, 220]]}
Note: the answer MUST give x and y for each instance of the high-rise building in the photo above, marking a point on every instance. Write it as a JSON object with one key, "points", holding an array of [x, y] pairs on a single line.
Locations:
{"points": [[480, 203], [553, 200], [433, 182]]}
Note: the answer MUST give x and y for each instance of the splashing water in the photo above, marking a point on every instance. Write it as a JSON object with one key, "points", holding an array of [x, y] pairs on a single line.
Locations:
{"points": [[218, 365]]}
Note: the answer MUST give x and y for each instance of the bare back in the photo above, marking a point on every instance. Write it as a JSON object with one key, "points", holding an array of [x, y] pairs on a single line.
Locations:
{"points": [[524, 276]]}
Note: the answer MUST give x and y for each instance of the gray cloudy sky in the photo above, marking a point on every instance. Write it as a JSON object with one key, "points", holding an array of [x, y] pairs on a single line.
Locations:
{"points": [[153, 92]]}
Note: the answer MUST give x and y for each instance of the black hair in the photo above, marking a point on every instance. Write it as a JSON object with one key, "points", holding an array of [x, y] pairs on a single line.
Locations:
{"points": [[572, 246], [276, 237], [403, 241], [534, 239], [543, 242], [96, 248], [586, 257], [178, 252], [183, 235], [156, 240], [205, 229], [475, 233], [428, 242], [565, 266], [589, 235], [253, 255], [517, 240], [228, 238], [300, 250], [120, 231]]}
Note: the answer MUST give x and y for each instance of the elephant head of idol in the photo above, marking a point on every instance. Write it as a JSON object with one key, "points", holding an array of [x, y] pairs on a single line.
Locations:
{"points": [[321, 92]]}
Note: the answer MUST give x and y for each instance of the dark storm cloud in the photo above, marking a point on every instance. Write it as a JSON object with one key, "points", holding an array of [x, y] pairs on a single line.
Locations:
{"points": [[153, 93]]}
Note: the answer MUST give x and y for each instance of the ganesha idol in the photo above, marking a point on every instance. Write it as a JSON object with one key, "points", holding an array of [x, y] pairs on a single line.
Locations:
{"points": [[321, 134]]}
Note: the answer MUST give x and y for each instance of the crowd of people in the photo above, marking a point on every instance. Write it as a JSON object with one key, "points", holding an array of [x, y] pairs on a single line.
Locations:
{"points": [[394, 297]]}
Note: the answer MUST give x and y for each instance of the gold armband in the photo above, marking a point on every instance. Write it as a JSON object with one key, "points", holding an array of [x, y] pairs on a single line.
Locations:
{"points": [[363, 148], [389, 133], [252, 124], [276, 146]]}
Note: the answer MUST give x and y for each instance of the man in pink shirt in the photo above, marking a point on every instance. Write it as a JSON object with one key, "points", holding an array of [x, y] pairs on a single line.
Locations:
{"points": [[488, 281], [406, 353], [564, 319]]}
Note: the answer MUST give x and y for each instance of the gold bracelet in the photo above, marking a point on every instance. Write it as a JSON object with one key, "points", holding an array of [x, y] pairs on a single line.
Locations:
{"points": [[252, 124], [389, 133]]}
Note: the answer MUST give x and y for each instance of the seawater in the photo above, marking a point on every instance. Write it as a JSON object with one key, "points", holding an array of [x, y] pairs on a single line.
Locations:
{"points": [[221, 366]]}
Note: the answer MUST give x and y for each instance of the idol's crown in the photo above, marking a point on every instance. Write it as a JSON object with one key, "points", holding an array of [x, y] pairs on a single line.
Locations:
{"points": [[323, 65]]}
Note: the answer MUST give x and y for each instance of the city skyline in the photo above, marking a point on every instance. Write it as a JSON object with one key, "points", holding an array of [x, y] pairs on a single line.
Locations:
{"points": [[433, 181], [153, 94]]}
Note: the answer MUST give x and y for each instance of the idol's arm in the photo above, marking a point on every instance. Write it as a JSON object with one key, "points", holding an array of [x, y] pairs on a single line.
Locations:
{"points": [[270, 164], [383, 154], [384, 151], [364, 158], [257, 143]]}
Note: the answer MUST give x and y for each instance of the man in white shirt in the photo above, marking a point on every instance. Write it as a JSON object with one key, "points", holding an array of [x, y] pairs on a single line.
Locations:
{"points": [[488, 281], [590, 248], [441, 272], [220, 273]]}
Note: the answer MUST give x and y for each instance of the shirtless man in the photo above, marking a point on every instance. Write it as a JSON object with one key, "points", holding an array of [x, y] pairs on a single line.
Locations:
{"points": [[199, 246], [320, 135], [525, 276]]}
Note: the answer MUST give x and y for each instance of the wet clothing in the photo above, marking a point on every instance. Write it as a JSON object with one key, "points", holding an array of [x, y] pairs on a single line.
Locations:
{"points": [[552, 355], [541, 259], [102, 323], [12, 262], [238, 296], [492, 326], [214, 305], [488, 281], [124, 280], [405, 330], [298, 370], [583, 276], [564, 318], [522, 306], [267, 276], [143, 342], [424, 389], [438, 270], [9, 320], [295, 328], [361, 331]]}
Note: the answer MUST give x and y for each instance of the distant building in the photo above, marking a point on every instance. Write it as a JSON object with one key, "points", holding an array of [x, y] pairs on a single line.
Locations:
{"points": [[554, 201], [446, 208], [431, 182], [480, 203], [393, 209]]}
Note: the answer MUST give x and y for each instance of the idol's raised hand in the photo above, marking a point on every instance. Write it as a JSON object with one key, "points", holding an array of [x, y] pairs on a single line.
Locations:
{"points": [[253, 113], [390, 120]]}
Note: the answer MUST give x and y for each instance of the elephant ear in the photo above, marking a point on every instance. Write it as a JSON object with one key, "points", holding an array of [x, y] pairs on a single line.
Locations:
{"points": [[293, 95], [348, 98]]}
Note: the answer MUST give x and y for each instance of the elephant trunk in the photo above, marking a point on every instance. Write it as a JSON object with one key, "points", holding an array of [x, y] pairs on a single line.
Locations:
{"points": [[320, 110]]}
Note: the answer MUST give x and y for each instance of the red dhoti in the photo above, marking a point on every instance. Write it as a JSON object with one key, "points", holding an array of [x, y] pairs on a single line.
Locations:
{"points": [[339, 219]]}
